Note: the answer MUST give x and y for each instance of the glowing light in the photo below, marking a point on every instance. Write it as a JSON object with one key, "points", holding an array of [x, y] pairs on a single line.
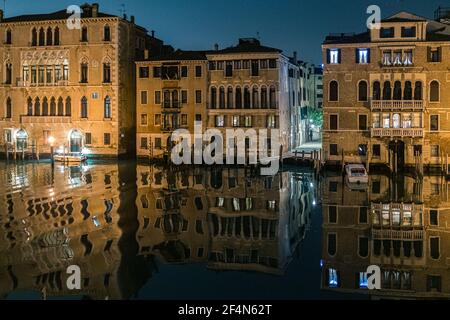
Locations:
{"points": [[314, 203], [51, 140]]}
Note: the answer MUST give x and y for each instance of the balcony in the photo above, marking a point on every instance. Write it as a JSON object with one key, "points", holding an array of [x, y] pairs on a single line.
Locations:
{"points": [[397, 132], [397, 105], [173, 107], [411, 235], [169, 128], [46, 119]]}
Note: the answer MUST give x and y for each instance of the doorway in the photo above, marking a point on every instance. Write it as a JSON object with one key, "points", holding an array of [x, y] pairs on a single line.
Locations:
{"points": [[76, 142], [397, 155]]}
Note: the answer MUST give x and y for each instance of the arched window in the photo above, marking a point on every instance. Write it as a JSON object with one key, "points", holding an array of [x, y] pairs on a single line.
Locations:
{"points": [[397, 90], [8, 74], [84, 108], [29, 107], [376, 90], [246, 98], [362, 91], [106, 33], [434, 91], [60, 106], [213, 101], [387, 92], [334, 91], [56, 36], [34, 37], [8, 36], [407, 92], [255, 98], [222, 98], [53, 106], [107, 108], [238, 101], [166, 98], [272, 98], [37, 107], [418, 95], [45, 107], [174, 99], [230, 98], [84, 34], [264, 98], [68, 106], [49, 36], [41, 37], [8, 108]]}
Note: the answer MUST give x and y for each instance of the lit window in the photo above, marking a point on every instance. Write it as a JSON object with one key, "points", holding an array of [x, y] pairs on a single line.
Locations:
{"points": [[363, 56], [332, 278], [334, 56], [363, 280]]}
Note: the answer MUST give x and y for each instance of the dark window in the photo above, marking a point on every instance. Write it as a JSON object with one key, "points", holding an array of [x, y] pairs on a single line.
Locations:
{"points": [[8, 39], [106, 73], [362, 91], [198, 117], [408, 32], [56, 37], [408, 92], [144, 72], [332, 244], [434, 283], [333, 149], [198, 71], [434, 248], [387, 91], [184, 71], [8, 108], [362, 121], [49, 36], [68, 106], [88, 138], [84, 73], [333, 186], [107, 107], [184, 96], [434, 91], [157, 72], [397, 90], [434, 218], [332, 214], [84, 107], [106, 33], [84, 34], [255, 68], [434, 54], [198, 96], [376, 150], [8, 79], [213, 102], [272, 64], [434, 122], [333, 122], [229, 69], [363, 247], [418, 91], [387, 32], [376, 187], [34, 37], [107, 139], [363, 215], [41, 37], [334, 91], [376, 91]]}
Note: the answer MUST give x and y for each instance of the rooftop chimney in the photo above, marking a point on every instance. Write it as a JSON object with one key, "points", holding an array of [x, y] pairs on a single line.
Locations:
{"points": [[295, 57], [146, 54], [124, 16], [1, 15], [94, 10], [216, 47], [132, 19], [153, 33]]}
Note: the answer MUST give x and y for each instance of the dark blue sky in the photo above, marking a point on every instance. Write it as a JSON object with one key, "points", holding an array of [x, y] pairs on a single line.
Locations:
{"points": [[290, 25]]}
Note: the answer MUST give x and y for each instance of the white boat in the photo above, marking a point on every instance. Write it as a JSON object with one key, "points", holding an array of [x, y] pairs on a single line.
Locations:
{"points": [[356, 173], [70, 158]]}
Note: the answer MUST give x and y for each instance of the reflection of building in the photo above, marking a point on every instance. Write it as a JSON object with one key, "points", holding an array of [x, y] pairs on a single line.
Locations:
{"points": [[45, 229], [385, 92], [223, 217], [76, 85], [399, 225]]}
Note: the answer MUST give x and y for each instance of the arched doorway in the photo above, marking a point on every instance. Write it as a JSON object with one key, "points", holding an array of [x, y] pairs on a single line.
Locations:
{"points": [[21, 139], [76, 141], [397, 155]]}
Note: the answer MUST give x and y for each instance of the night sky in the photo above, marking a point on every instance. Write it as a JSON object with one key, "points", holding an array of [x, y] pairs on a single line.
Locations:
{"points": [[290, 25]]}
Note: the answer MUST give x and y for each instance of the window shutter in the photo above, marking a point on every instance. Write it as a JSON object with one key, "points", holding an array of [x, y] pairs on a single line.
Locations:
{"points": [[328, 56], [429, 54], [357, 56], [339, 55], [440, 54]]}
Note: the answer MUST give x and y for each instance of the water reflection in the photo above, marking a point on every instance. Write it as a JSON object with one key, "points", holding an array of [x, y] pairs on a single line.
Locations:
{"points": [[399, 224], [120, 222]]}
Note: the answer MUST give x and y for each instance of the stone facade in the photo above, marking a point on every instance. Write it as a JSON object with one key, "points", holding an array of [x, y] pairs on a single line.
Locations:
{"points": [[386, 94], [75, 85]]}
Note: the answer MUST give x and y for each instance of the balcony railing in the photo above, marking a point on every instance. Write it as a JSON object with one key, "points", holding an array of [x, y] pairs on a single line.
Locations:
{"points": [[397, 105], [397, 234], [397, 132], [46, 119]]}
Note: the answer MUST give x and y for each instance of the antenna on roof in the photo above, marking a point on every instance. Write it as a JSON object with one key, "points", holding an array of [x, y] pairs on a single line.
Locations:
{"points": [[258, 36], [4, 5], [122, 9]]}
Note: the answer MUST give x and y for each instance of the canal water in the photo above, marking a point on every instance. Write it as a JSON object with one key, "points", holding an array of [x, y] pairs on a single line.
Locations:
{"points": [[138, 231]]}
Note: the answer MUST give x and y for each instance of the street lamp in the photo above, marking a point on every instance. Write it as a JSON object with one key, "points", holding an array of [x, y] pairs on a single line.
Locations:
{"points": [[51, 141]]}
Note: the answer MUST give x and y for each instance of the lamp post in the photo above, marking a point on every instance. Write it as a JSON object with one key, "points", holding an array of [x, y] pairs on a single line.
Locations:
{"points": [[51, 141]]}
